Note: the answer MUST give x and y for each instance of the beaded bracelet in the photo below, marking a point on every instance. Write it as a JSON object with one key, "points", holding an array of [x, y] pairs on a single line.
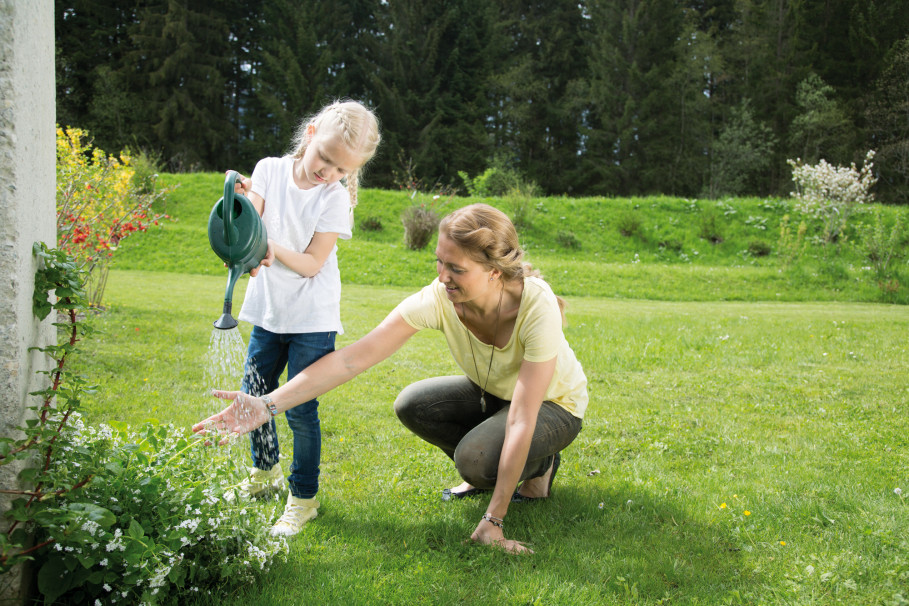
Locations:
{"points": [[494, 520]]}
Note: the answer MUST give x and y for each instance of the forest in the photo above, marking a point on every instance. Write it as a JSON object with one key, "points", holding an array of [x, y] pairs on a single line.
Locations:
{"points": [[581, 97]]}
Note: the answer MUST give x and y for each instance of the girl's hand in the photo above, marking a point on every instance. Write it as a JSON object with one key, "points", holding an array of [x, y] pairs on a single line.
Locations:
{"points": [[268, 260], [242, 185], [487, 534], [244, 414]]}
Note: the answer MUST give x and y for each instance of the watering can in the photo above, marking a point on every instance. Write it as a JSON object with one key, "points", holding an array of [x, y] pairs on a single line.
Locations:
{"points": [[237, 235]]}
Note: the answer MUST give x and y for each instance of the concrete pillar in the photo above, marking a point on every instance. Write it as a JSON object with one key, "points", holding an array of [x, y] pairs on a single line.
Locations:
{"points": [[27, 215]]}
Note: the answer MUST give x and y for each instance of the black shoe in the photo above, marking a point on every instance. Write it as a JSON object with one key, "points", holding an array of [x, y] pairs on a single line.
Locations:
{"points": [[448, 494], [519, 498]]}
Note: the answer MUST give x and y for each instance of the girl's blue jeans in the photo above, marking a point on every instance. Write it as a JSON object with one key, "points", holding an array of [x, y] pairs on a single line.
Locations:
{"points": [[268, 354]]}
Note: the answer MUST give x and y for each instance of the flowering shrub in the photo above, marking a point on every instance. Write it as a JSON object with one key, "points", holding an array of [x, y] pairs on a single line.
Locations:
{"points": [[150, 526], [111, 515], [832, 193], [99, 203]]}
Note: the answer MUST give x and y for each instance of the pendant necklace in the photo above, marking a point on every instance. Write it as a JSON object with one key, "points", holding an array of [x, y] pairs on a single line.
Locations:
{"points": [[492, 351]]}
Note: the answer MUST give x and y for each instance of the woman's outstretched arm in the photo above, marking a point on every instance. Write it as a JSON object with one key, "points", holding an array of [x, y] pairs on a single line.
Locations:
{"points": [[245, 412]]}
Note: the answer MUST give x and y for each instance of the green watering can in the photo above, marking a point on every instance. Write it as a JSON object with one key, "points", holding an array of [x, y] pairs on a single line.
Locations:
{"points": [[237, 235]]}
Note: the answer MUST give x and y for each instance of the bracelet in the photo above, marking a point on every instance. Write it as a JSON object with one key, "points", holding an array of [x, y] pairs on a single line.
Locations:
{"points": [[270, 405], [494, 520]]}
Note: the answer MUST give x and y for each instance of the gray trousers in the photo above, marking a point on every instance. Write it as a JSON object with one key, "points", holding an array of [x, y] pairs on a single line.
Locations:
{"points": [[446, 412]]}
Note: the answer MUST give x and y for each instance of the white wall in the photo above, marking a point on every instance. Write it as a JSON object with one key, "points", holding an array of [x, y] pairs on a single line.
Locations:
{"points": [[27, 208]]}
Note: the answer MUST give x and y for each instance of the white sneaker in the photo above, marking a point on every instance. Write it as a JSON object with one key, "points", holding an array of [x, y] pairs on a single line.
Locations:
{"points": [[297, 513], [259, 483]]}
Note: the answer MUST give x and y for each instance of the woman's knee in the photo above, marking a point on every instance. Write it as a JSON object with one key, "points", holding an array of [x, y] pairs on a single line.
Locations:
{"points": [[478, 464]]}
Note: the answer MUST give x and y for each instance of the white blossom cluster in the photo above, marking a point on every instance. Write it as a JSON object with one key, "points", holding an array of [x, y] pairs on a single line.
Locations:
{"points": [[831, 193]]}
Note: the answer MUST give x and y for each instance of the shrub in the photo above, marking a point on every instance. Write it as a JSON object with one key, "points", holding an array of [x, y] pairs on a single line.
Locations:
{"points": [[758, 248], [151, 525], [371, 224], [791, 246], [420, 223], [567, 239], [709, 228], [629, 224], [521, 204], [114, 515], [99, 203], [832, 193], [422, 219], [498, 180], [880, 246]]}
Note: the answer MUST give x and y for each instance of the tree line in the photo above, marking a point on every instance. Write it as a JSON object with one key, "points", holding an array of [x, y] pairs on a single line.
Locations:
{"points": [[583, 97]]}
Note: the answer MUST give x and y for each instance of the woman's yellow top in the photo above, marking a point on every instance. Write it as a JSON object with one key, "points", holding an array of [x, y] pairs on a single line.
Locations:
{"points": [[537, 337]]}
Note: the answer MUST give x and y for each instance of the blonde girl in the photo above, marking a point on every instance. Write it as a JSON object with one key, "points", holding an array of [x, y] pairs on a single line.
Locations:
{"points": [[294, 300]]}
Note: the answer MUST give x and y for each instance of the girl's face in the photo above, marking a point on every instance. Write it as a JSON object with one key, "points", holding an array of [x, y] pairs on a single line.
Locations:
{"points": [[464, 279], [326, 160]]}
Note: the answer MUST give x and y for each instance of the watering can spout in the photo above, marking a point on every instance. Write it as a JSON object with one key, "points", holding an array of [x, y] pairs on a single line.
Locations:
{"points": [[227, 321]]}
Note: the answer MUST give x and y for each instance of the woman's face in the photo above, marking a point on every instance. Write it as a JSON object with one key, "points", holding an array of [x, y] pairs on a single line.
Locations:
{"points": [[464, 279]]}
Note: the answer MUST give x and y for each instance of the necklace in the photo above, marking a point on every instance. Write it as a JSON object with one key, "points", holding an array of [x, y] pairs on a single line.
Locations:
{"points": [[492, 350]]}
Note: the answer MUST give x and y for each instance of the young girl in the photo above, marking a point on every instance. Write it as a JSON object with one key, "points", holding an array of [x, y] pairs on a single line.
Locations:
{"points": [[294, 304]]}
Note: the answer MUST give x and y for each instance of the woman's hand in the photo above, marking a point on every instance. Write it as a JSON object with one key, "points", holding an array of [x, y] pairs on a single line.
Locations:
{"points": [[244, 414], [488, 534]]}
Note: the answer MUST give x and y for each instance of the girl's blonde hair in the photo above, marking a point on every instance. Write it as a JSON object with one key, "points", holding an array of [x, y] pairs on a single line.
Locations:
{"points": [[354, 123], [488, 236]]}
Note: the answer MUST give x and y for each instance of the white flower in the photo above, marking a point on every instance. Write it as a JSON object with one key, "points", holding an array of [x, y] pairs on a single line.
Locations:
{"points": [[897, 491]]}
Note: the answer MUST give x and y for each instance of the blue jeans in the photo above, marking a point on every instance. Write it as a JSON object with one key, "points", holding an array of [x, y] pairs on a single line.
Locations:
{"points": [[267, 355]]}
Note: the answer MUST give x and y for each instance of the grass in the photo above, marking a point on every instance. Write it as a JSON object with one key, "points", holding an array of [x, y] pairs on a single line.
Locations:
{"points": [[794, 412], [666, 257], [737, 388]]}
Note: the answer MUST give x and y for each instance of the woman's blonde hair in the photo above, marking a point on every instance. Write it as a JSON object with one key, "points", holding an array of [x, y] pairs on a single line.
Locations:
{"points": [[488, 236], [354, 123]]}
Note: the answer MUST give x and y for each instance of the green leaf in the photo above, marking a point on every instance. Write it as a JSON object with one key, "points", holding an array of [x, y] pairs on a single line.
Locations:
{"points": [[135, 530], [53, 579]]}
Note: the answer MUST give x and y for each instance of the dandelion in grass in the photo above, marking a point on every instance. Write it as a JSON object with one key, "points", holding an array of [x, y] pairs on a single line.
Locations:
{"points": [[747, 513], [722, 505], [783, 543], [898, 491]]}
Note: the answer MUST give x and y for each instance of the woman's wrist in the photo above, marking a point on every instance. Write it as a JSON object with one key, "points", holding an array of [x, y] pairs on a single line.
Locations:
{"points": [[269, 405]]}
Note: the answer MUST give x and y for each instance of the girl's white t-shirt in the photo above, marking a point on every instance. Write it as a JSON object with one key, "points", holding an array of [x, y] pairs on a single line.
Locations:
{"points": [[278, 299]]}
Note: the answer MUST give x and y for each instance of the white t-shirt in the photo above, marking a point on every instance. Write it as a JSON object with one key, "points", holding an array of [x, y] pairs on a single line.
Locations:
{"points": [[278, 299]]}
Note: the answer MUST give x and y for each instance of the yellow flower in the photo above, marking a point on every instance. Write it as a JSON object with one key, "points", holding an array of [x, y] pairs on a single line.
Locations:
{"points": [[783, 543], [747, 513], [723, 506]]}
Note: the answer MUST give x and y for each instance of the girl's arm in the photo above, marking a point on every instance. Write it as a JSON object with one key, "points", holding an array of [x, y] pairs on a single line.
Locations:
{"points": [[529, 393], [245, 412], [307, 263]]}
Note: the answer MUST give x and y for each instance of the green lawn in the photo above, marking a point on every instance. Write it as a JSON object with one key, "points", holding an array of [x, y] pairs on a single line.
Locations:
{"points": [[733, 452]]}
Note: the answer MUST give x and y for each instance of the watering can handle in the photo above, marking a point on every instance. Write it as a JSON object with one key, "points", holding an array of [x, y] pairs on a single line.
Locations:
{"points": [[227, 206]]}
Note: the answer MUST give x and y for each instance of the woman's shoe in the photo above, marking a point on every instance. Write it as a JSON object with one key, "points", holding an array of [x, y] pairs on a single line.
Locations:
{"points": [[448, 494], [519, 498]]}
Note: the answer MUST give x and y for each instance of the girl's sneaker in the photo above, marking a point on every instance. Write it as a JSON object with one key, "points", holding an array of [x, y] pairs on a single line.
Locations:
{"points": [[297, 513], [259, 483]]}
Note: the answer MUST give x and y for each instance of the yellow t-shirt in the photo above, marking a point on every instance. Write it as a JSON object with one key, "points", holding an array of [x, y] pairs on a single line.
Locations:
{"points": [[537, 337]]}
